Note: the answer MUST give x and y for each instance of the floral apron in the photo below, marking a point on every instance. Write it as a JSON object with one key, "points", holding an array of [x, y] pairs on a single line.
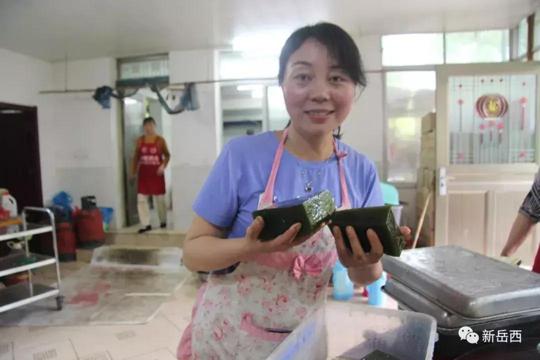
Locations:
{"points": [[246, 314]]}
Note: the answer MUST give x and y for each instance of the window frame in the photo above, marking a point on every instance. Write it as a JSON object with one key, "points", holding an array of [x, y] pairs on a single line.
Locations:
{"points": [[386, 163], [443, 55], [141, 59], [512, 50], [508, 55]]}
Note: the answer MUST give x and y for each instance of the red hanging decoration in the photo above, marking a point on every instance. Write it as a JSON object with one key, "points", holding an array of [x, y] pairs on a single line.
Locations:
{"points": [[523, 104], [491, 106]]}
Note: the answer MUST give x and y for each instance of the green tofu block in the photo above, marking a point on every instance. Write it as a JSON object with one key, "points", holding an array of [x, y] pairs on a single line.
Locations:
{"points": [[380, 219], [379, 355], [311, 212]]}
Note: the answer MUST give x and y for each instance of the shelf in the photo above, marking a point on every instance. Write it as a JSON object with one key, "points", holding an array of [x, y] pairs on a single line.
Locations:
{"points": [[33, 229], [25, 293], [15, 263], [19, 295]]}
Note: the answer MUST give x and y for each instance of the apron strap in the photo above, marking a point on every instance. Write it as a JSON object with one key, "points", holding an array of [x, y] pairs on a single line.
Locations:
{"points": [[268, 195], [345, 201]]}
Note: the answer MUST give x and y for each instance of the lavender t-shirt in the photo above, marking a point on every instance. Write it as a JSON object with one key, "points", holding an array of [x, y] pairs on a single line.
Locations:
{"points": [[239, 176]]}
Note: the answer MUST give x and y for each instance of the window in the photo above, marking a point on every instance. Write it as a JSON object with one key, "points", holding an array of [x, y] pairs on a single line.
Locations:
{"points": [[250, 108], [409, 96], [242, 110], [461, 48], [278, 117], [412, 49], [491, 118], [143, 67], [522, 38], [479, 46]]}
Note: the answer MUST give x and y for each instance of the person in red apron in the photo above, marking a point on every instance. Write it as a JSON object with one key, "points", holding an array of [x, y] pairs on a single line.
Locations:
{"points": [[149, 162], [527, 217], [269, 287]]}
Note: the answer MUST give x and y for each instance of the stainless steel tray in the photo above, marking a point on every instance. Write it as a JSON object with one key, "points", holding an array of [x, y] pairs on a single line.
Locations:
{"points": [[448, 322], [468, 284]]}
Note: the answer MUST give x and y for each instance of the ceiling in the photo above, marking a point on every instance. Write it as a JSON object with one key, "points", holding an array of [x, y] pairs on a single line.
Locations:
{"points": [[53, 29]]}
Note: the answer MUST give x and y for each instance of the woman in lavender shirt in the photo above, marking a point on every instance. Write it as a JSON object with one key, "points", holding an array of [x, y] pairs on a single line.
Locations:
{"points": [[244, 313]]}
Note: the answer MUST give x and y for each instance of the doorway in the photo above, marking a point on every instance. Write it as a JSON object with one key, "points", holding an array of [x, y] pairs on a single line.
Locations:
{"points": [[19, 149], [20, 171], [486, 138], [135, 108]]}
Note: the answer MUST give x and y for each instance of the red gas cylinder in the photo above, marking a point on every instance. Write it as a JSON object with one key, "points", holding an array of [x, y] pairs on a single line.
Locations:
{"points": [[89, 225], [67, 243]]}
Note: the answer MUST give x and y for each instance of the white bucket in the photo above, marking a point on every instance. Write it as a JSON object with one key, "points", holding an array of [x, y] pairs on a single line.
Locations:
{"points": [[10, 204]]}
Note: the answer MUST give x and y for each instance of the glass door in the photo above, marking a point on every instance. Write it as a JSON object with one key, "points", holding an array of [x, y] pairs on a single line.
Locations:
{"points": [[487, 118], [492, 118]]}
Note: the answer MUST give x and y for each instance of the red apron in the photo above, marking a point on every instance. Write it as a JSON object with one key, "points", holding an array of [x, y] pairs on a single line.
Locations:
{"points": [[536, 266], [150, 159]]}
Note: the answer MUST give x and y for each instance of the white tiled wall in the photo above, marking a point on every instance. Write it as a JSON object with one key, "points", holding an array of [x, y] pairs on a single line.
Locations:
{"points": [[81, 138], [194, 135], [83, 74], [78, 137], [22, 78]]}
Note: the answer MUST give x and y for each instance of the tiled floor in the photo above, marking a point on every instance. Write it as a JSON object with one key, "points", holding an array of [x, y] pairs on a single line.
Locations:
{"points": [[155, 230], [158, 237], [156, 340], [154, 221]]}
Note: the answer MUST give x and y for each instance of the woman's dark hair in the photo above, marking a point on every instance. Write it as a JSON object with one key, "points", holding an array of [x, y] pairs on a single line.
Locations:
{"points": [[339, 44], [148, 120]]}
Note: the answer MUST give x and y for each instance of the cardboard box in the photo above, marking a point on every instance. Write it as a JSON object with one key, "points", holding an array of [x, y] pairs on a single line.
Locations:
{"points": [[427, 159], [425, 178], [429, 122], [427, 141], [427, 233]]}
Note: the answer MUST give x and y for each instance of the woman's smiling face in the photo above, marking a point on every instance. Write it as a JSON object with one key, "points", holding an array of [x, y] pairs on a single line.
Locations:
{"points": [[318, 93]]}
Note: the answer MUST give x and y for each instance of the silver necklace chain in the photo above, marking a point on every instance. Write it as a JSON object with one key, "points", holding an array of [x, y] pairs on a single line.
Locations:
{"points": [[309, 177]]}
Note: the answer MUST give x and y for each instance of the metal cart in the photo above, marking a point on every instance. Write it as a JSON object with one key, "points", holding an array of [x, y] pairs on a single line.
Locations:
{"points": [[22, 294]]}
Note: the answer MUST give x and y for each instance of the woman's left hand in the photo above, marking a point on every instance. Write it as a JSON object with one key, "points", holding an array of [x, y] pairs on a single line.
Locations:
{"points": [[358, 257], [161, 170]]}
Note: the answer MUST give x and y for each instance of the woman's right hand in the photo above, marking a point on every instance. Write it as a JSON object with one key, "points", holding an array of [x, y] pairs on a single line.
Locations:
{"points": [[281, 243]]}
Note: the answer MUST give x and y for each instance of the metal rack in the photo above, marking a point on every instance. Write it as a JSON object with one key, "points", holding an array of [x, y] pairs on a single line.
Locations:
{"points": [[22, 294]]}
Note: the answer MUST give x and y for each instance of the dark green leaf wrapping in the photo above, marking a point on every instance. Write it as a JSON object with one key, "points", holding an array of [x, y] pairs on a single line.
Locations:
{"points": [[380, 219], [310, 213]]}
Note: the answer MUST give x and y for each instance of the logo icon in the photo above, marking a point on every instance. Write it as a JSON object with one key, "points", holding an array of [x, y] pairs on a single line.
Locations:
{"points": [[463, 331], [466, 333], [472, 338]]}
